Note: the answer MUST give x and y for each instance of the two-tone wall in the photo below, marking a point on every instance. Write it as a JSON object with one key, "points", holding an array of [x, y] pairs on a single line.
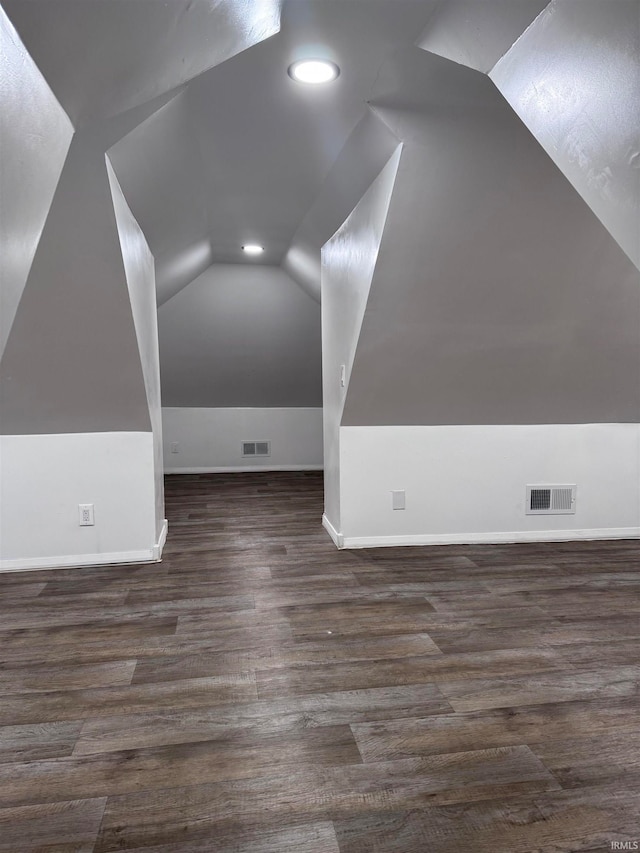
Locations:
{"points": [[240, 362], [500, 342]]}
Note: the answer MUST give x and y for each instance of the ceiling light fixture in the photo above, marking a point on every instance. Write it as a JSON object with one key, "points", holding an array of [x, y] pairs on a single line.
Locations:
{"points": [[253, 249], [313, 71]]}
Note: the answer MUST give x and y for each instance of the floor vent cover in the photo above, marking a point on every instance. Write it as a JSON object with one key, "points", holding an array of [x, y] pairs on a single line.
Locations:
{"points": [[551, 500], [256, 448]]}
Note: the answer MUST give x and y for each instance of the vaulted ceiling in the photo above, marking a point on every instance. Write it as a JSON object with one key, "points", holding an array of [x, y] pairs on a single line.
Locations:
{"points": [[225, 152], [232, 151]]}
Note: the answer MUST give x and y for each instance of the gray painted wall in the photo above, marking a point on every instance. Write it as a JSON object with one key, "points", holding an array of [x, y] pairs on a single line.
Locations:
{"points": [[348, 263], [72, 363], [35, 134], [498, 296], [574, 79], [240, 335], [140, 276], [175, 270]]}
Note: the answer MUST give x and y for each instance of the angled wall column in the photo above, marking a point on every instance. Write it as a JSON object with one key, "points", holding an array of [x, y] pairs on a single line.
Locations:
{"points": [[76, 425], [348, 265]]}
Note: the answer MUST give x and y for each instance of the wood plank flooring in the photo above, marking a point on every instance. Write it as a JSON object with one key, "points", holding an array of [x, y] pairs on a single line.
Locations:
{"points": [[261, 692]]}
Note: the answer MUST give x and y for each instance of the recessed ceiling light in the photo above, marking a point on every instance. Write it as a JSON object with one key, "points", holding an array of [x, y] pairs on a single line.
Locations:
{"points": [[253, 249], [314, 71]]}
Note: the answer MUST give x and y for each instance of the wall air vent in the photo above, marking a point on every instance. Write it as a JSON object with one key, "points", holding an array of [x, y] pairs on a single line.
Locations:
{"points": [[551, 500], [256, 448]]}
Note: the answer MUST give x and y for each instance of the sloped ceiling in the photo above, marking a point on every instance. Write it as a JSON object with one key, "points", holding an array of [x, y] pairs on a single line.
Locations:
{"points": [[159, 162], [243, 152], [267, 142], [476, 33], [106, 56]]}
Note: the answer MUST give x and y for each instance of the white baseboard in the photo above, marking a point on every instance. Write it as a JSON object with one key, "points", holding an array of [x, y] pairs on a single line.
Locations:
{"points": [[501, 538], [76, 561], [158, 547], [338, 539], [239, 469]]}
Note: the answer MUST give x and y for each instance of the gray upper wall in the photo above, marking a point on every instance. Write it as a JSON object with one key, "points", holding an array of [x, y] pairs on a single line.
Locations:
{"points": [[498, 297], [240, 335], [574, 79], [72, 363], [34, 144]]}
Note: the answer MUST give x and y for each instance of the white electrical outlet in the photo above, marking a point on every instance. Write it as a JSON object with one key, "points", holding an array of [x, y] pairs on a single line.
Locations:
{"points": [[175, 447], [398, 500], [86, 517], [343, 375]]}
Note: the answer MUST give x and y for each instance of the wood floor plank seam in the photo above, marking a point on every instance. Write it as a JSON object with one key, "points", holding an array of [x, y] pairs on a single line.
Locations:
{"points": [[259, 690]]}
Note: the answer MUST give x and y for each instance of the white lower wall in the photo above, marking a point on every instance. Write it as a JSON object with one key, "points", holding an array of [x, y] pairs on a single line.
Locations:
{"points": [[467, 483], [43, 478], [210, 439]]}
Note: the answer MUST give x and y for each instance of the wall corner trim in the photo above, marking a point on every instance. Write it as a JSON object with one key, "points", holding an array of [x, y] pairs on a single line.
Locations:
{"points": [[338, 538], [501, 538], [158, 547]]}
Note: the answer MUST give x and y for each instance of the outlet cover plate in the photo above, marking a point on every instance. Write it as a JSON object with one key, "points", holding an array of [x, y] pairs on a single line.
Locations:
{"points": [[85, 515], [398, 500]]}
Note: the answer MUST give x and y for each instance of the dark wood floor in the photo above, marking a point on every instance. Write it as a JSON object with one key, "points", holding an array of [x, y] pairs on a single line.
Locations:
{"points": [[261, 692]]}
